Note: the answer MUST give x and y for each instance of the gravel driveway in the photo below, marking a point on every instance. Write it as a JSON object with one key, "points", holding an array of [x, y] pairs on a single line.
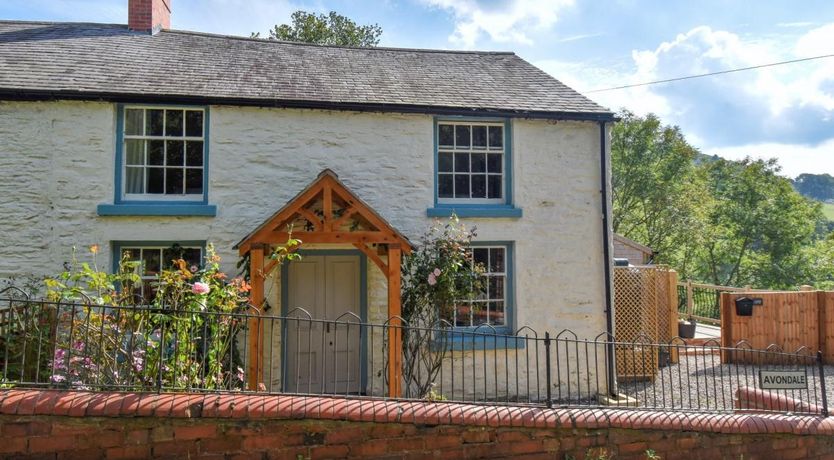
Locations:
{"points": [[701, 383]]}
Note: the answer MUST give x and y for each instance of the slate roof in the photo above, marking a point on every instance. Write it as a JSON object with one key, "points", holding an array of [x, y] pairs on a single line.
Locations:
{"points": [[110, 62]]}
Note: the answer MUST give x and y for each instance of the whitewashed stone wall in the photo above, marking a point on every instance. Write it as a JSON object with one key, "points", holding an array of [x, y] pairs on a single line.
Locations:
{"points": [[57, 160]]}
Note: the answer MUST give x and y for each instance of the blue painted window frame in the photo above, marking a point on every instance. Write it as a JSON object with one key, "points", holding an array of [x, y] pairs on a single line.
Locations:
{"points": [[505, 209], [122, 207], [485, 337]]}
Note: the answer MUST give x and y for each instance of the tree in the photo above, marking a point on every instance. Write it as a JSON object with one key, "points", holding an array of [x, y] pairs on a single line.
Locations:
{"points": [[731, 223], [756, 227], [816, 186], [655, 184], [330, 29]]}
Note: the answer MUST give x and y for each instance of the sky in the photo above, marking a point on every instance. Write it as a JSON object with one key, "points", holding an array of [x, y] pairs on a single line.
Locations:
{"points": [[784, 112]]}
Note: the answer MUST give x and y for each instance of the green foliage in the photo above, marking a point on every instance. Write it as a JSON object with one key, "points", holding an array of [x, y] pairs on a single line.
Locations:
{"points": [[655, 184], [724, 222], [828, 211], [100, 334], [816, 186], [184, 338], [330, 29]]}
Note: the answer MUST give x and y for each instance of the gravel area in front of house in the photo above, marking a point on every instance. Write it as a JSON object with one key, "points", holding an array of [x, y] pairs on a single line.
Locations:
{"points": [[701, 383]]}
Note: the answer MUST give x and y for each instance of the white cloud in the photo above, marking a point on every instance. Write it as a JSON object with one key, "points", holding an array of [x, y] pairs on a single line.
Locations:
{"points": [[501, 21], [794, 159], [785, 112]]}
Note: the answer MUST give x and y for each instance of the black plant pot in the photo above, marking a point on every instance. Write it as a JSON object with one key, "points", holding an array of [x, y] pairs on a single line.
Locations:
{"points": [[686, 330]]}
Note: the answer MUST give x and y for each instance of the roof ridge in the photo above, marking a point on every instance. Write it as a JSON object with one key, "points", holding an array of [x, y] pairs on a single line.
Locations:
{"points": [[66, 23], [266, 40], [314, 45]]}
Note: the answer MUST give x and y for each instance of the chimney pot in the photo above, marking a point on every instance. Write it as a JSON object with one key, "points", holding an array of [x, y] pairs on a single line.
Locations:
{"points": [[148, 15]]}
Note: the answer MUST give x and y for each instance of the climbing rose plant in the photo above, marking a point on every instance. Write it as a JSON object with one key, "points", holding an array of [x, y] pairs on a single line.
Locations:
{"points": [[437, 275]]}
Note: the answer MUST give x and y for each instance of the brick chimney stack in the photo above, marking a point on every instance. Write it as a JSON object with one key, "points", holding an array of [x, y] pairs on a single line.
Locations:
{"points": [[149, 15]]}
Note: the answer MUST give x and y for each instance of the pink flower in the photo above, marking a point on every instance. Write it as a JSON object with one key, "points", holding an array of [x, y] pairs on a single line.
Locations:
{"points": [[432, 279], [200, 288], [436, 272], [194, 269]]}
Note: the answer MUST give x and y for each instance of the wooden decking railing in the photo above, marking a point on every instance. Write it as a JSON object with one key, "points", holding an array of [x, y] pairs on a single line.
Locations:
{"points": [[702, 302]]}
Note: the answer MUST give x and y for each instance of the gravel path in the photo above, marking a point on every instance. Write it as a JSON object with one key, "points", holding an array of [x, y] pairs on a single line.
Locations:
{"points": [[702, 383]]}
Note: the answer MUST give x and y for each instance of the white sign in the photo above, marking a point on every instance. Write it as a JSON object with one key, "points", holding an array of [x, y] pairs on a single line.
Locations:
{"points": [[783, 380]]}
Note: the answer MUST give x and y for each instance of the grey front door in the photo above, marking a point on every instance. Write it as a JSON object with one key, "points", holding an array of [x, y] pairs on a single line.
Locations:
{"points": [[322, 356]]}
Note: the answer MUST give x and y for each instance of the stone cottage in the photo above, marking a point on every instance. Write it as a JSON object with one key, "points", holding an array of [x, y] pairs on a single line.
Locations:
{"points": [[147, 140]]}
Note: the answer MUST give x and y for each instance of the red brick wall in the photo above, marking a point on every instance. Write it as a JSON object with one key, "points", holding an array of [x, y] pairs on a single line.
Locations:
{"points": [[144, 15], [247, 426]]}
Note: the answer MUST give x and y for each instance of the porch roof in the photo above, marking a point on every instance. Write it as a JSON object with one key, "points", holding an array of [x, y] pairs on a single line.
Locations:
{"points": [[325, 224]]}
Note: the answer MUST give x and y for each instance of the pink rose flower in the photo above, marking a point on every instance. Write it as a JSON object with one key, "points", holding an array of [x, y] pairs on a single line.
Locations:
{"points": [[436, 272], [200, 288], [432, 279]]}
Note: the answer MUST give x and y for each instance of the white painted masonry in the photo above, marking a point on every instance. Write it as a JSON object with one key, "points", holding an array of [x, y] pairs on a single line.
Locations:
{"points": [[57, 160]]}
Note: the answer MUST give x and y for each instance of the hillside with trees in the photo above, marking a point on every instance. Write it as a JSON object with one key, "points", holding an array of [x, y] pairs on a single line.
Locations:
{"points": [[715, 220]]}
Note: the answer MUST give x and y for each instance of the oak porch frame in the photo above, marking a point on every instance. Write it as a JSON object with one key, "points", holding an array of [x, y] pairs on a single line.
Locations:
{"points": [[374, 242]]}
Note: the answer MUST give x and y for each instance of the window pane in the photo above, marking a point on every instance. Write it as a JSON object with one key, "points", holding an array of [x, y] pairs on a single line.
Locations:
{"points": [[496, 287], [445, 186], [131, 254], [496, 313], [156, 153], [194, 123], [134, 122], [496, 137], [479, 186], [494, 187], [173, 122], [444, 162], [150, 261], [481, 256], [446, 135], [496, 260], [478, 162], [174, 152], [462, 313], [156, 180], [194, 153], [461, 162], [192, 256], [461, 186], [134, 152], [134, 180], [169, 255], [479, 313], [494, 162], [194, 181], [479, 137], [173, 181], [461, 136], [154, 122]]}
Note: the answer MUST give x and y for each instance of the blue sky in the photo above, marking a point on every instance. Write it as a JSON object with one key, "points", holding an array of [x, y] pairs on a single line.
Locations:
{"points": [[785, 112]]}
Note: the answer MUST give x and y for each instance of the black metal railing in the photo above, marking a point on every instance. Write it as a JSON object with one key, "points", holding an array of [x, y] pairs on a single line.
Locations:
{"points": [[118, 348]]}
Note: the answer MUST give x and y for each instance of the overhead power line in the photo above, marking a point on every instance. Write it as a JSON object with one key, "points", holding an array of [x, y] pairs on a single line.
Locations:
{"points": [[721, 72]]}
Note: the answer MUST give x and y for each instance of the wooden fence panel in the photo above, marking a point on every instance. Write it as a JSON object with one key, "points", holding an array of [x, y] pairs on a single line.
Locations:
{"points": [[826, 301], [790, 320]]}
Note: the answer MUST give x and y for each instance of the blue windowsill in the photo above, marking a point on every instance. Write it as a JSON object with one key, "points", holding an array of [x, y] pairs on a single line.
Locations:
{"points": [[463, 210], [468, 342], [155, 209]]}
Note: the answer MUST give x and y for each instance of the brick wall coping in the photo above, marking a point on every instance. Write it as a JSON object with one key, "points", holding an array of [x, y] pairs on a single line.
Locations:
{"points": [[254, 406]]}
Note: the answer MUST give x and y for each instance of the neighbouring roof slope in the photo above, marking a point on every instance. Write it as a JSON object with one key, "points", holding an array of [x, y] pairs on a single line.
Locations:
{"points": [[108, 61]]}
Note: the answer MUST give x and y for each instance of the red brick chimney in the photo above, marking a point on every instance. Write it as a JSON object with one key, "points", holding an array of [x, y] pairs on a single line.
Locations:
{"points": [[149, 15]]}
